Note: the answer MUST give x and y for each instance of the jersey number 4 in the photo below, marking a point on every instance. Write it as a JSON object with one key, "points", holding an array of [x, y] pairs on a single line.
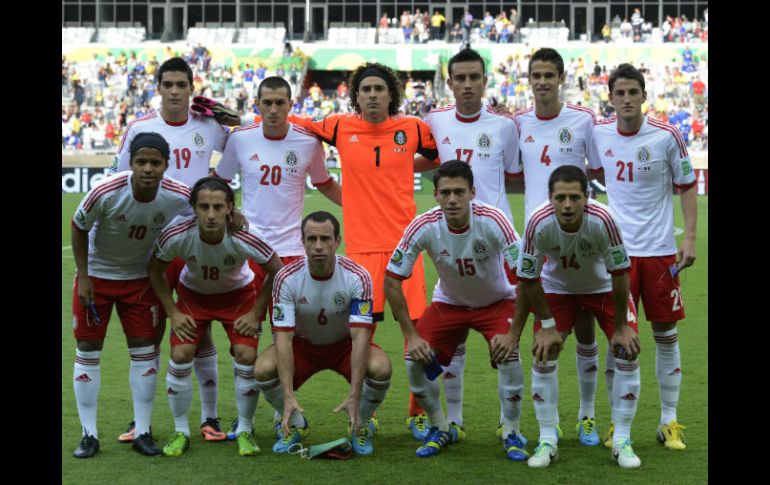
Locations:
{"points": [[544, 158]]}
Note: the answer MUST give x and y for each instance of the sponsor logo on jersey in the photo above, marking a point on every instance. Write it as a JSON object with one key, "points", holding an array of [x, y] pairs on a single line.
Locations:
{"points": [[229, 260], [479, 248], [198, 139], [121, 218], [565, 136], [80, 217], [278, 315], [159, 218], [400, 137], [338, 298], [353, 138], [254, 158], [291, 158], [443, 252], [361, 308], [609, 153], [446, 141], [303, 301], [397, 258], [584, 245], [686, 167], [484, 141], [528, 265], [529, 139], [618, 256], [644, 154]]}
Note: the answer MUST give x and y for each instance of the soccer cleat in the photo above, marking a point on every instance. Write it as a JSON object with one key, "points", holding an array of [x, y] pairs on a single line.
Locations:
{"points": [[128, 436], [178, 445], [559, 432], [624, 455], [456, 432], [374, 425], [211, 431], [608, 436], [434, 443], [514, 447], [145, 444], [233, 427], [420, 426], [89, 446], [672, 436], [295, 435], [544, 454], [362, 442], [246, 444], [586, 430]]}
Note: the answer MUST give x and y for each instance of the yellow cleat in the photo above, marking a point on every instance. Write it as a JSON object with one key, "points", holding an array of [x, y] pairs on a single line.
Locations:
{"points": [[608, 436], [672, 436]]}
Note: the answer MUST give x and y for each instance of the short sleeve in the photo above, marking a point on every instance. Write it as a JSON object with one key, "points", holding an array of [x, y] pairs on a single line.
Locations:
{"points": [[406, 253], [594, 160], [319, 175], [511, 164], [122, 161], [228, 164], [220, 140], [679, 161], [253, 245], [325, 129], [530, 262], [616, 258], [283, 305], [426, 144], [89, 209], [361, 301]]}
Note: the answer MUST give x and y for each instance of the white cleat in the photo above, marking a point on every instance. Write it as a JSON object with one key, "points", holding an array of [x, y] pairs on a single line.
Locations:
{"points": [[543, 455], [624, 454]]}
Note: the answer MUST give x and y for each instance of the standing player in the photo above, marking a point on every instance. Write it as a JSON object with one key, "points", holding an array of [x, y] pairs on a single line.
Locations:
{"points": [[192, 140], [642, 160], [112, 232], [216, 284], [582, 244], [472, 132], [553, 134], [322, 317], [467, 241]]}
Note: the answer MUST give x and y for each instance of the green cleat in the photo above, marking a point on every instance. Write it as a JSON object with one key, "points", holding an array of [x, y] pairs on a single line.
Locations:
{"points": [[246, 444], [178, 445]]}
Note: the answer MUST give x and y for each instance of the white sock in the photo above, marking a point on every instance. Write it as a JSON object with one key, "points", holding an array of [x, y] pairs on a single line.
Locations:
{"points": [[273, 393], [625, 395], [669, 373], [587, 358], [87, 379], [143, 376], [207, 373], [246, 396], [545, 386], [609, 379], [510, 388], [428, 394], [453, 386], [179, 390], [372, 394]]}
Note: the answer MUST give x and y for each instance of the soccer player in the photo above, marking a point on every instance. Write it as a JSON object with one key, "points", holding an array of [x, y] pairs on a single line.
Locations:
{"points": [[322, 318], [472, 132], [586, 267], [377, 148], [642, 160], [467, 241], [553, 134], [112, 232], [192, 140], [216, 284]]}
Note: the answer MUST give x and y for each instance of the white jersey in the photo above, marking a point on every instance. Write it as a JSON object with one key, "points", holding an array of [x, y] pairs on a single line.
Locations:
{"points": [[212, 269], [191, 144], [489, 143], [549, 143], [469, 263], [640, 171], [578, 263], [273, 173], [322, 311], [121, 229]]}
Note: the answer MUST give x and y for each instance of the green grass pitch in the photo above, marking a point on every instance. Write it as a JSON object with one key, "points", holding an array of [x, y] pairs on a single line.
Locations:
{"points": [[477, 460]]}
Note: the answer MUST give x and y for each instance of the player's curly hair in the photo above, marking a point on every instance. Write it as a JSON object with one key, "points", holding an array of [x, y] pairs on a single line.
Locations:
{"points": [[391, 80]]}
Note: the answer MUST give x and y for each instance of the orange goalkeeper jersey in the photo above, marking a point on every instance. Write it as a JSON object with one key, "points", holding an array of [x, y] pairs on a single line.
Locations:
{"points": [[377, 174]]}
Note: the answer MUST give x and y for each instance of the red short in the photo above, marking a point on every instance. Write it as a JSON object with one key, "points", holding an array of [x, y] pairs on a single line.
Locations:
{"points": [[225, 308], [446, 326], [414, 286], [660, 293], [259, 279], [565, 310], [310, 359], [173, 270], [139, 310]]}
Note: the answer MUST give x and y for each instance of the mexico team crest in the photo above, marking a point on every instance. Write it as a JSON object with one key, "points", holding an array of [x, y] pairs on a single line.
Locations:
{"points": [[338, 298], [291, 158], [400, 137], [484, 141], [479, 248], [565, 136], [198, 139], [229, 260], [644, 154], [159, 218], [584, 245]]}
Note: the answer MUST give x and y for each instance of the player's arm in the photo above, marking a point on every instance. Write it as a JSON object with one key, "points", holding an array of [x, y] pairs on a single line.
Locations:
{"points": [[285, 363], [624, 336], [689, 201], [416, 346], [182, 324], [514, 184], [594, 168], [423, 164], [248, 324], [79, 240], [359, 358], [512, 167], [426, 155], [332, 191]]}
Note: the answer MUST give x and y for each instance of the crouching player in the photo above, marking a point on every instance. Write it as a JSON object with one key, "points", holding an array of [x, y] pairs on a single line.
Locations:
{"points": [[216, 284], [322, 319]]}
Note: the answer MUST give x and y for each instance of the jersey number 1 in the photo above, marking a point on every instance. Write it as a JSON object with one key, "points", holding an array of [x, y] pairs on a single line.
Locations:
{"points": [[377, 158]]}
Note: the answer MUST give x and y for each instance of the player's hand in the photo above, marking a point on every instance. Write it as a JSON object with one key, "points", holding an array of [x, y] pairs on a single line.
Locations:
{"points": [[418, 349], [290, 404], [502, 345], [686, 256], [350, 404], [183, 326], [85, 291], [544, 340], [626, 341], [247, 324], [236, 221]]}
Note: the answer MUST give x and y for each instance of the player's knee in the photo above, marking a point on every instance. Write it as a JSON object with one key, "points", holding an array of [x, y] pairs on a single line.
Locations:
{"points": [[379, 366], [265, 367], [663, 326], [182, 354], [90, 345], [245, 355], [139, 342]]}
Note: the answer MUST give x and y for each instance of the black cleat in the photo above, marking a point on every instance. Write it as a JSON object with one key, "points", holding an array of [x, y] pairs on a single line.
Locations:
{"points": [[89, 446], [145, 444]]}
